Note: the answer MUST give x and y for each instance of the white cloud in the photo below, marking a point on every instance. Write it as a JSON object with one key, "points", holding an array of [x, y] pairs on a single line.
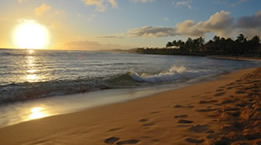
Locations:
{"points": [[221, 23], [101, 5], [189, 28], [184, 4], [43, 8]]}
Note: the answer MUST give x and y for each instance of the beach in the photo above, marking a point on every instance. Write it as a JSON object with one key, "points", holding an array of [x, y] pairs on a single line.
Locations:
{"points": [[221, 111]]}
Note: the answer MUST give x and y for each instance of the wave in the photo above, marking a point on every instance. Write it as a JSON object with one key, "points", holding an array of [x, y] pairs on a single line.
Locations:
{"points": [[174, 73], [25, 91]]}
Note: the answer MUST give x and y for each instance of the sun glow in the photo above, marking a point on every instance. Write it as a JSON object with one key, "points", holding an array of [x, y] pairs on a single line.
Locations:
{"points": [[32, 35]]}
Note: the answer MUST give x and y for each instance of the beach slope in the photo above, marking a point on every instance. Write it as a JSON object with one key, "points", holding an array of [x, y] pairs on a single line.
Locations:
{"points": [[223, 111]]}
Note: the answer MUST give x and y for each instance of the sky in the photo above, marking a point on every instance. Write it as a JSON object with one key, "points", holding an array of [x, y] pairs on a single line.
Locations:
{"points": [[123, 24]]}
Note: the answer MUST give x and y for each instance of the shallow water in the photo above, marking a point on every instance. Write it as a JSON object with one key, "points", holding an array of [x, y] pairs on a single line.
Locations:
{"points": [[37, 84], [30, 74]]}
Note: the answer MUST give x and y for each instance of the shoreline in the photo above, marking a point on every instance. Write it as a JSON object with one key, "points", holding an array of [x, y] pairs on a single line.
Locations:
{"points": [[78, 102], [182, 116], [240, 58]]}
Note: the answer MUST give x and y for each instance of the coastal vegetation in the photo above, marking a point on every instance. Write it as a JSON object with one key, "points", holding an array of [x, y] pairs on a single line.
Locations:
{"points": [[241, 46]]}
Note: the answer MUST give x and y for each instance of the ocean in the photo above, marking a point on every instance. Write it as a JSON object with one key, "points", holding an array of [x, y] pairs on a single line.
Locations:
{"points": [[51, 78]]}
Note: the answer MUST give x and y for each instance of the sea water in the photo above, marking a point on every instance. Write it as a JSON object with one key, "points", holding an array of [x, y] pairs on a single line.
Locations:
{"points": [[40, 83]]}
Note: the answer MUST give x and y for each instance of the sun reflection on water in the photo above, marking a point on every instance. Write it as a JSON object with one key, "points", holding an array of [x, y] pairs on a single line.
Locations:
{"points": [[38, 112], [31, 75], [30, 51]]}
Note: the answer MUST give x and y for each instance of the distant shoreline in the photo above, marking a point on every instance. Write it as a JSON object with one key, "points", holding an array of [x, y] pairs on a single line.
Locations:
{"points": [[226, 57], [234, 57]]}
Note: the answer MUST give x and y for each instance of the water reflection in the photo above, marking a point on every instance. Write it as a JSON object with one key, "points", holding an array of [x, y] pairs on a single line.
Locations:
{"points": [[30, 51], [38, 112], [31, 75]]}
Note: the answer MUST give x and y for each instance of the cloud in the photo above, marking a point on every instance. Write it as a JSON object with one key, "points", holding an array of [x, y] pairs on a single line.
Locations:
{"points": [[189, 28], [150, 31], [249, 25], [221, 23], [101, 5], [250, 21], [184, 4], [91, 45], [43, 8]]}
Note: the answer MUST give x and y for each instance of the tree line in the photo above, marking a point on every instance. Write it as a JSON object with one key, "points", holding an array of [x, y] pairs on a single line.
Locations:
{"points": [[241, 46]]}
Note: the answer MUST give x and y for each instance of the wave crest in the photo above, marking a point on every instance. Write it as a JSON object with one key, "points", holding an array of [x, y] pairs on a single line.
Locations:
{"points": [[173, 73]]}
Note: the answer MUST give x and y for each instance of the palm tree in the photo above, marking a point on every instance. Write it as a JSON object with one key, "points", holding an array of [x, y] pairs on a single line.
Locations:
{"points": [[174, 43], [255, 40], [169, 44], [241, 38], [216, 38]]}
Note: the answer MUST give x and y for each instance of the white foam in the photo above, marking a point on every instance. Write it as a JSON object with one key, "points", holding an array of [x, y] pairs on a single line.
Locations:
{"points": [[173, 73]]}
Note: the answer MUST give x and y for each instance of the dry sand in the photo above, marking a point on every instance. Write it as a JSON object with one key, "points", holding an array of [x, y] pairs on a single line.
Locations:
{"points": [[224, 111]]}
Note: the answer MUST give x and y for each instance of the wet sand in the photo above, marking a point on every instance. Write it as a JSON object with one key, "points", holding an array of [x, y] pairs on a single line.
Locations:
{"points": [[224, 111]]}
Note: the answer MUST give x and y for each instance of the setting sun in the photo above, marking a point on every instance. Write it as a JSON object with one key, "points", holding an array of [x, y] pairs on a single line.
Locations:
{"points": [[31, 34]]}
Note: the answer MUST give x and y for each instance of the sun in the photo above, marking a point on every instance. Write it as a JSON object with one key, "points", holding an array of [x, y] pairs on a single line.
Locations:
{"points": [[31, 35]]}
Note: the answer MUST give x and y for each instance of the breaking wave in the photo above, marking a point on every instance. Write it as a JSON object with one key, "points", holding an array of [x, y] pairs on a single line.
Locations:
{"points": [[173, 73], [25, 91]]}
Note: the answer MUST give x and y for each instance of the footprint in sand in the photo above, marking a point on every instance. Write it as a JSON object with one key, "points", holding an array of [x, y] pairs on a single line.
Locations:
{"points": [[143, 120], [219, 94], [207, 110], [192, 140], [111, 140], [219, 90], [181, 116], [148, 124], [228, 101], [198, 128], [206, 102], [185, 121], [178, 106]]}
